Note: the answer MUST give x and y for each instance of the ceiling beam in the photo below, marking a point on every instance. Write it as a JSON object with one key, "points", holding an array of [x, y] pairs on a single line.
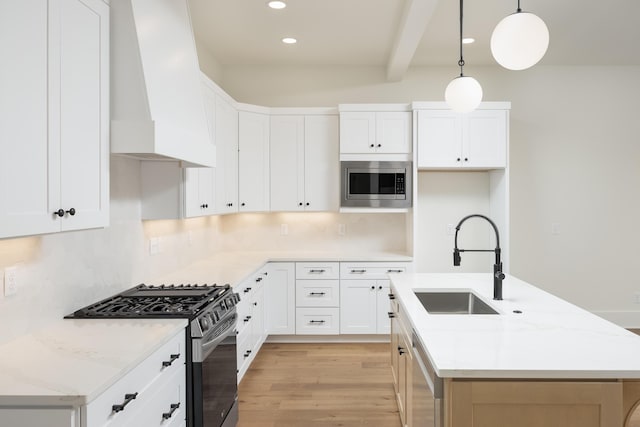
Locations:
{"points": [[415, 18]]}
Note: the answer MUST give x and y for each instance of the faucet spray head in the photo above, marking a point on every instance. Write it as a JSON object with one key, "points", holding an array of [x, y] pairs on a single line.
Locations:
{"points": [[456, 257]]}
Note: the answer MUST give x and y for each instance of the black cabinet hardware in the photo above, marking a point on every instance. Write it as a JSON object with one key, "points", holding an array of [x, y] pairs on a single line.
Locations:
{"points": [[259, 279], [247, 353], [172, 359], [174, 407], [392, 296], [246, 319], [314, 322], [379, 288], [247, 290], [127, 399], [391, 314], [317, 271], [401, 350], [61, 212], [313, 294], [394, 270], [373, 287], [358, 271]]}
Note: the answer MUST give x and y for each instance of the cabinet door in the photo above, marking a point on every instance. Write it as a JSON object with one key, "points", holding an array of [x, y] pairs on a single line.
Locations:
{"points": [[28, 168], [484, 139], [358, 307], [439, 139], [80, 104], [253, 152], [357, 132], [280, 304], [383, 307], [226, 129], [287, 163], [321, 163], [393, 132], [199, 192]]}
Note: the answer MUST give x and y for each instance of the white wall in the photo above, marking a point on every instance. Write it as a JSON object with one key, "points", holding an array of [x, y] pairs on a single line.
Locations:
{"points": [[574, 160]]}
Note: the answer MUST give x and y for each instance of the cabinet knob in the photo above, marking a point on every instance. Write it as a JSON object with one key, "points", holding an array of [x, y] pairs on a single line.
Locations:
{"points": [[466, 159], [307, 203], [372, 146], [458, 159], [373, 288], [379, 288], [242, 204], [71, 211], [300, 204], [379, 145]]}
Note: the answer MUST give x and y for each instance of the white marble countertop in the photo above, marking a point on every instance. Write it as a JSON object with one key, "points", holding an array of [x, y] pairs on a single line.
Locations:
{"points": [[73, 361], [551, 338], [233, 267]]}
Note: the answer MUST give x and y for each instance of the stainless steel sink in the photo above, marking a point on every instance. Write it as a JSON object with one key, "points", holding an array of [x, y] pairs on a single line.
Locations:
{"points": [[462, 302]]}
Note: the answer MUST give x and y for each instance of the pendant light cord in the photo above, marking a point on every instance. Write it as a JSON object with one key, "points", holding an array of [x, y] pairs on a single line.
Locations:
{"points": [[519, 10], [461, 61]]}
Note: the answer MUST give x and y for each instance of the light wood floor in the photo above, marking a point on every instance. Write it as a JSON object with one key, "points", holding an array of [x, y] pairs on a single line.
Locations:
{"points": [[300, 385]]}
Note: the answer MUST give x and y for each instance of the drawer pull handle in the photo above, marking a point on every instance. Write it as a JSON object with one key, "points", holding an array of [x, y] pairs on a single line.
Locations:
{"points": [[391, 314], [174, 407], [259, 279], [247, 353], [246, 319], [172, 359], [127, 399], [358, 271], [401, 351], [314, 322], [313, 294], [247, 290], [394, 270], [317, 271], [392, 296]]}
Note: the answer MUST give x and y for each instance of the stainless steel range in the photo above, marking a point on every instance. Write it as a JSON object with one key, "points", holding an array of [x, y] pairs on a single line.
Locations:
{"points": [[211, 366]]}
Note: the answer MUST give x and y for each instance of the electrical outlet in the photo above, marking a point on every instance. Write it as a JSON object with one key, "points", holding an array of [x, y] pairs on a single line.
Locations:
{"points": [[154, 246], [284, 229], [10, 281], [637, 299], [555, 228], [342, 229]]}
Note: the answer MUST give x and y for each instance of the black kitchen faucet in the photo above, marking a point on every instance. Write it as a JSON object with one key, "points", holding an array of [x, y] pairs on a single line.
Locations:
{"points": [[498, 275]]}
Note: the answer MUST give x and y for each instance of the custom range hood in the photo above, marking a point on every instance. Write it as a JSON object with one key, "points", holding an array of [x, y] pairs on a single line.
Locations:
{"points": [[157, 108]]}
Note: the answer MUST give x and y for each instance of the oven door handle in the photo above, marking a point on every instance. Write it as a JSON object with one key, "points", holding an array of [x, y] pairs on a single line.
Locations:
{"points": [[202, 348]]}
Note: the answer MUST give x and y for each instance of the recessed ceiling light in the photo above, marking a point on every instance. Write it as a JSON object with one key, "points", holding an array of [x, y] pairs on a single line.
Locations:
{"points": [[468, 40], [277, 4], [289, 40]]}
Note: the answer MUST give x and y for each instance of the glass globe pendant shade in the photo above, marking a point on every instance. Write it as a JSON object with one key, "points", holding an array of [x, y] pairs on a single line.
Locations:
{"points": [[463, 94], [519, 41]]}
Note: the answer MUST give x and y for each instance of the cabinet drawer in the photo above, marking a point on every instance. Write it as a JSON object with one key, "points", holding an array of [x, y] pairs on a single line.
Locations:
{"points": [[317, 270], [156, 368], [317, 321], [317, 293], [371, 270]]}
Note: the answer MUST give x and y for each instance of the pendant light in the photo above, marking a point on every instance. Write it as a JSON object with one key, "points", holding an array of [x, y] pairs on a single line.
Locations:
{"points": [[520, 40], [464, 93]]}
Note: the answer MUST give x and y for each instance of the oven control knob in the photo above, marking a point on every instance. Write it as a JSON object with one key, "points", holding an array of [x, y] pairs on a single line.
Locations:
{"points": [[204, 324], [215, 317]]}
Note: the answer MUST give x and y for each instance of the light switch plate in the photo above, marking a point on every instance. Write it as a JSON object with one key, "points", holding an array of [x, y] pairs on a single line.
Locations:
{"points": [[10, 281]]}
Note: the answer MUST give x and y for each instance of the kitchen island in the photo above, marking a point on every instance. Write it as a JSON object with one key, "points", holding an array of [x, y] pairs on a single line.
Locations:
{"points": [[539, 361]]}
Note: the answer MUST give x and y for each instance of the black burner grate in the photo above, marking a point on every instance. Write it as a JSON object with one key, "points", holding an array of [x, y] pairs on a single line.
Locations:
{"points": [[184, 301]]}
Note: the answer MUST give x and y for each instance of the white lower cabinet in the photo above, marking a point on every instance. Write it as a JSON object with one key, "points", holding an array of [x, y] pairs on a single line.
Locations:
{"points": [[317, 298], [145, 395], [280, 299], [364, 296], [251, 330]]}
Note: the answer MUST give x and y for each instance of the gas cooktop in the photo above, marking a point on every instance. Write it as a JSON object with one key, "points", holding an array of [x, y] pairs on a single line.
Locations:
{"points": [[180, 301]]}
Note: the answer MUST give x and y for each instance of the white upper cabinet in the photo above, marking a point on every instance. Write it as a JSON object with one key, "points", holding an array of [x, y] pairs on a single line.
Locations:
{"points": [[158, 110], [54, 116], [476, 140], [375, 132], [226, 136], [304, 163], [253, 159]]}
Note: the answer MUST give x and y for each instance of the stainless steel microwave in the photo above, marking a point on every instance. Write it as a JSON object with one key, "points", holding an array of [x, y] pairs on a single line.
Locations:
{"points": [[375, 184]]}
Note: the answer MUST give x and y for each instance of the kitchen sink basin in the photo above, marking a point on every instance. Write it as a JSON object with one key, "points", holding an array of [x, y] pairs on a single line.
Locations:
{"points": [[454, 303]]}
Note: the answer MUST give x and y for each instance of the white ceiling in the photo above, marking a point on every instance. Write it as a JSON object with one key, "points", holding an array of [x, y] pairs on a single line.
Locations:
{"points": [[397, 34]]}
